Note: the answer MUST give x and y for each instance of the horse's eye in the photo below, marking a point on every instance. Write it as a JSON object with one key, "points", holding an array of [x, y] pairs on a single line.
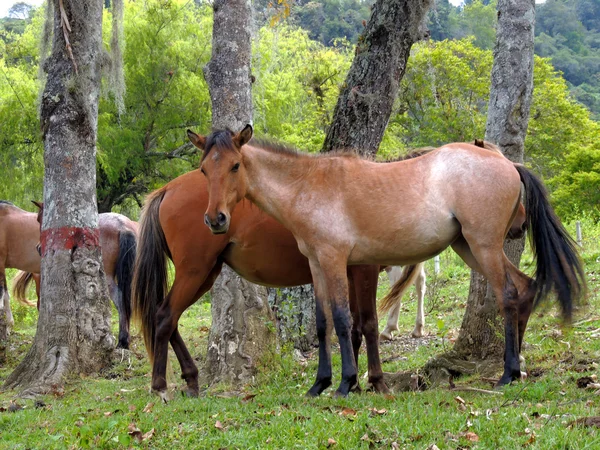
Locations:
{"points": [[235, 167]]}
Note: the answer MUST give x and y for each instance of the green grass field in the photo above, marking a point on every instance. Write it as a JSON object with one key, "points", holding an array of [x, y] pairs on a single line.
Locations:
{"points": [[115, 410]]}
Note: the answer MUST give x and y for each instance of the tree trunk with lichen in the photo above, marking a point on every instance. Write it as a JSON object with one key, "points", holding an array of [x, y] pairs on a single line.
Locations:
{"points": [[242, 328], [365, 103], [481, 336], [73, 332]]}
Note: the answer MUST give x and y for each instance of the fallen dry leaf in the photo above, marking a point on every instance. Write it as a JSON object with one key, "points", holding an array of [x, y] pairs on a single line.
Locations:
{"points": [[331, 442], [148, 407], [377, 412], [219, 425], [248, 398], [132, 408], [148, 435], [470, 436], [108, 414], [348, 412], [458, 399]]}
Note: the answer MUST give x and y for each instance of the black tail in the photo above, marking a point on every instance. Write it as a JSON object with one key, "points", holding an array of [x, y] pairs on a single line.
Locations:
{"points": [[558, 265], [150, 274], [124, 269]]}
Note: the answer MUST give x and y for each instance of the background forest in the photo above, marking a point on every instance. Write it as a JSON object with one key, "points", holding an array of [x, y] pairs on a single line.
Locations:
{"points": [[301, 57]]}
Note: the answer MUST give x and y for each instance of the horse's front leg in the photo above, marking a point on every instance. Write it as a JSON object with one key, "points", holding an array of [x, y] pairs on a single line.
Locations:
{"points": [[333, 269]]}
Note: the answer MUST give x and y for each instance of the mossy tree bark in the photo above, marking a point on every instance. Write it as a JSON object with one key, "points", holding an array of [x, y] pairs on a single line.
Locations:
{"points": [[365, 104], [73, 332]]}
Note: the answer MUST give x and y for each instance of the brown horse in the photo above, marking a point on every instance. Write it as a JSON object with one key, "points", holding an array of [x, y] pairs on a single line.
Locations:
{"points": [[345, 210], [257, 247], [21, 230], [19, 233]]}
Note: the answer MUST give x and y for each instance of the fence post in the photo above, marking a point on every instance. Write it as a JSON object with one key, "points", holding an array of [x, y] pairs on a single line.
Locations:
{"points": [[578, 232], [436, 264]]}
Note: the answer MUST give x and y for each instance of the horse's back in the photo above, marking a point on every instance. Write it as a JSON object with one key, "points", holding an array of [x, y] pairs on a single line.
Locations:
{"points": [[423, 204]]}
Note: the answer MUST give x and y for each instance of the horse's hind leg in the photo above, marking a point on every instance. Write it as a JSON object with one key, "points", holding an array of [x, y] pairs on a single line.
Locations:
{"points": [[365, 283], [189, 371], [117, 298], [182, 295], [420, 287], [491, 261]]}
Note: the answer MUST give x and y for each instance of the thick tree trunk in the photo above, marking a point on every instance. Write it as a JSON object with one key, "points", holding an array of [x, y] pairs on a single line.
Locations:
{"points": [[365, 103], [481, 333], [73, 332], [240, 331], [240, 334]]}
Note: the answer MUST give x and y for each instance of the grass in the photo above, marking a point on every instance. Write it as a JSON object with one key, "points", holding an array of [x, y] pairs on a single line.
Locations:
{"points": [[115, 410]]}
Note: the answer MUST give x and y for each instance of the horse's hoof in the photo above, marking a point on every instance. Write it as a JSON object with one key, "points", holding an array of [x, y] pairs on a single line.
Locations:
{"points": [[356, 389], [318, 387], [417, 333], [340, 394], [504, 381], [191, 393], [523, 376], [163, 394], [379, 386], [385, 336]]}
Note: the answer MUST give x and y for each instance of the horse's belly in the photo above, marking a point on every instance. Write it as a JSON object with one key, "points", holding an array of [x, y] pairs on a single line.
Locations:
{"points": [[269, 265], [406, 246]]}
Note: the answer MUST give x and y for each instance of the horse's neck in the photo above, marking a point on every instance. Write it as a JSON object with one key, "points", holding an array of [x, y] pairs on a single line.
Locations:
{"points": [[273, 179]]}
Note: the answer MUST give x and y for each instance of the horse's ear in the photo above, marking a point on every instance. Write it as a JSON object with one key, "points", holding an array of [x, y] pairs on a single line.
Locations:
{"points": [[243, 136], [196, 139], [40, 205]]}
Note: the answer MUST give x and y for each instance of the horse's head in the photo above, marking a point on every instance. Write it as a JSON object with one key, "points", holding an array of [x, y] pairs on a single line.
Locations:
{"points": [[40, 215], [222, 165]]}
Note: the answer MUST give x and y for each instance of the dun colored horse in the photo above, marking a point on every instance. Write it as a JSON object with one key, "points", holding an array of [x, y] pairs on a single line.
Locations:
{"points": [[20, 234], [344, 210], [257, 247]]}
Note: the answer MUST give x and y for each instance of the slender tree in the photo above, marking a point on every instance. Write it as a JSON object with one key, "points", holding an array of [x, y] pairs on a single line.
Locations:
{"points": [[73, 332], [481, 335], [239, 333]]}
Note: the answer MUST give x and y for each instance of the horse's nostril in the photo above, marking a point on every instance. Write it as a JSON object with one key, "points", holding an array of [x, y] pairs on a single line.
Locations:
{"points": [[221, 218], [206, 219]]}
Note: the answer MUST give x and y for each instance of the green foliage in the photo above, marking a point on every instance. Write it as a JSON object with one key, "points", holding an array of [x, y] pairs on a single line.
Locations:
{"points": [[443, 94], [21, 161], [577, 187], [167, 44], [568, 32], [296, 85]]}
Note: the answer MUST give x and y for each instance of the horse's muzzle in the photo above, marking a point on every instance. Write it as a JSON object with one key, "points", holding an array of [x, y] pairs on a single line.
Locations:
{"points": [[218, 226]]}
